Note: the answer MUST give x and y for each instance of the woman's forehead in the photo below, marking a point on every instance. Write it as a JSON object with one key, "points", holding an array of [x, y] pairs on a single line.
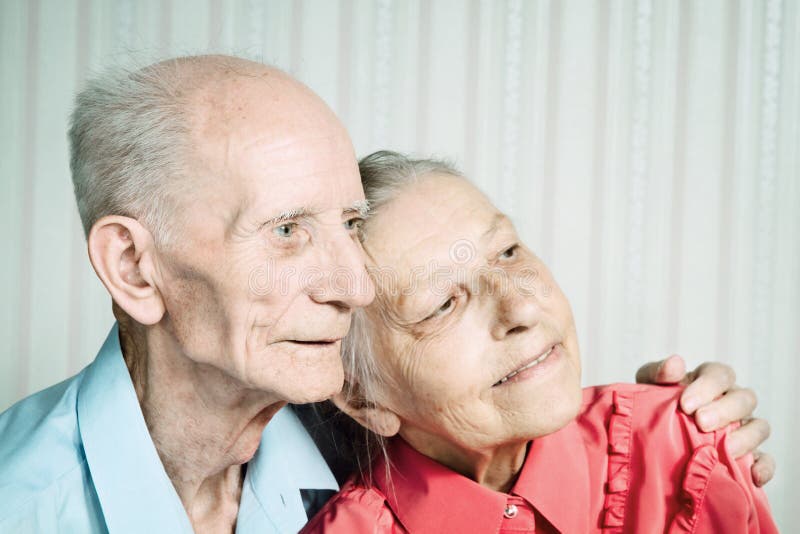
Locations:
{"points": [[426, 219], [422, 243]]}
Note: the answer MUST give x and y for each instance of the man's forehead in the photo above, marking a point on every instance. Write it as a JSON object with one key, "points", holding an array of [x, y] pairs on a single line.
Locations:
{"points": [[263, 112], [247, 104], [296, 155], [308, 164], [289, 183]]}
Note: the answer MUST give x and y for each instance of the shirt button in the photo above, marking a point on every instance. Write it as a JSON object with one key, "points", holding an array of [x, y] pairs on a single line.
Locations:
{"points": [[511, 511]]}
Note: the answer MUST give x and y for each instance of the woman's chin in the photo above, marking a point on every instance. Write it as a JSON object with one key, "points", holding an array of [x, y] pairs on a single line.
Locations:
{"points": [[553, 412]]}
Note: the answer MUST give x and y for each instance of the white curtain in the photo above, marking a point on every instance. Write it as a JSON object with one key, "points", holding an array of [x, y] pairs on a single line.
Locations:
{"points": [[646, 149]]}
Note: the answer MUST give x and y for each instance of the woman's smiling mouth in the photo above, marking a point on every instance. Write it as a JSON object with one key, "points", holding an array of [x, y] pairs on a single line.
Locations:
{"points": [[540, 359]]}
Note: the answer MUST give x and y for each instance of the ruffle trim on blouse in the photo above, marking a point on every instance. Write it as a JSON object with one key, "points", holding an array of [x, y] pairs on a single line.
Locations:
{"points": [[620, 437], [693, 491]]}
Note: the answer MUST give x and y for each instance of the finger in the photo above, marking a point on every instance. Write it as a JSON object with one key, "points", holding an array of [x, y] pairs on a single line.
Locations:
{"points": [[706, 383], [763, 469], [748, 437], [735, 405], [668, 371], [673, 370]]}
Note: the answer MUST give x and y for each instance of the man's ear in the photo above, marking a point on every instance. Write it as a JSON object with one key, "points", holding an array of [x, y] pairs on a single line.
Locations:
{"points": [[378, 419], [122, 253]]}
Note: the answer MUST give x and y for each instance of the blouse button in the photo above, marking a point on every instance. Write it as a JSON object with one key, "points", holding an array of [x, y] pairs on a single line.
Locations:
{"points": [[511, 511]]}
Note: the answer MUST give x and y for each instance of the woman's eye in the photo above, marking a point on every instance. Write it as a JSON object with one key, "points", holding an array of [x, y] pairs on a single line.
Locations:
{"points": [[353, 224], [445, 308], [510, 252], [285, 230]]}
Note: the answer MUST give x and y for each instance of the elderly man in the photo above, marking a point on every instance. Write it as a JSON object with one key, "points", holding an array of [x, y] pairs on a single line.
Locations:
{"points": [[221, 202]]}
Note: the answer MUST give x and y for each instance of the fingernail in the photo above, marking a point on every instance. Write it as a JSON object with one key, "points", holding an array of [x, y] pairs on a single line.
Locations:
{"points": [[690, 404], [707, 419], [758, 477]]}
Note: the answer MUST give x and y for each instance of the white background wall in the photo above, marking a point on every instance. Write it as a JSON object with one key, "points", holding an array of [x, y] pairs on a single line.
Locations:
{"points": [[648, 151]]}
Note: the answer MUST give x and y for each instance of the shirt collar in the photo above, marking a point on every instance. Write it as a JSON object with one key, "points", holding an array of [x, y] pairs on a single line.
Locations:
{"points": [[429, 497], [136, 494], [555, 479], [133, 488], [286, 462]]}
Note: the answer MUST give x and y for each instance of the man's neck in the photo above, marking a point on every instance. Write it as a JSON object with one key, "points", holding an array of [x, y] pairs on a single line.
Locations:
{"points": [[205, 426]]}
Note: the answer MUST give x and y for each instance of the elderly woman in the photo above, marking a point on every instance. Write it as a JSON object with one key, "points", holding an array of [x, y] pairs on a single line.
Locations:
{"points": [[468, 363]]}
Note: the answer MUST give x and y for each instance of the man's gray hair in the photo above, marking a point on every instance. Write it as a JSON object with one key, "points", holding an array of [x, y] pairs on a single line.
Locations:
{"points": [[129, 138]]}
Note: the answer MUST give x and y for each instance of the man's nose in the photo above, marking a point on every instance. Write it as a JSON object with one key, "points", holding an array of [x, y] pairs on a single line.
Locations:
{"points": [[344, 281]]}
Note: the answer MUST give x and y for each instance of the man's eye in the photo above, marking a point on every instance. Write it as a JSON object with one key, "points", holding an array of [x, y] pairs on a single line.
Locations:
{"points": [[510, 252], [353, 224], [285, 230]]}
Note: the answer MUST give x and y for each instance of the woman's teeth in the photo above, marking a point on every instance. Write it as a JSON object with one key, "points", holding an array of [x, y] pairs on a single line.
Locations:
{"points": [[537, 361]]}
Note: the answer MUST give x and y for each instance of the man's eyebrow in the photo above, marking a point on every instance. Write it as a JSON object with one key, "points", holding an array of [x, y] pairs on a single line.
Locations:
{"points": [[497, 220], [288, 215], [361, 207]]}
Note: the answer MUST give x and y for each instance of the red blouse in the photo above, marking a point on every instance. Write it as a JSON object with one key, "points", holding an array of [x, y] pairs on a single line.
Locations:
{"points": [[630, 462]]}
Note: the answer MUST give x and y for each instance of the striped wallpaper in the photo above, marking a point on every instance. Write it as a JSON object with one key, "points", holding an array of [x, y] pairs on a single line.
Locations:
{"points": [[647, 150]]}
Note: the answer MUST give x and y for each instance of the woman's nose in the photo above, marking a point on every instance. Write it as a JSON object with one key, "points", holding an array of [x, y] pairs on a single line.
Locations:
{"points": [[516, 310]]}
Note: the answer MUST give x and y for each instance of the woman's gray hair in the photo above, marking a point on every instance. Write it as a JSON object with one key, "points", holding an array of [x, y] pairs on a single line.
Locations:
{"points": [[129, 142], [384, 175]]}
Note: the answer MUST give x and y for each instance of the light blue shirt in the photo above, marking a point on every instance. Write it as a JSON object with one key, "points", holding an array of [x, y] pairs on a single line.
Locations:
{"points": [[77, 457]]}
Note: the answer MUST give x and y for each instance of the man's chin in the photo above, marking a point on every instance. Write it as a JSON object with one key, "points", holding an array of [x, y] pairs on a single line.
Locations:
{"points": [[305, 393]]}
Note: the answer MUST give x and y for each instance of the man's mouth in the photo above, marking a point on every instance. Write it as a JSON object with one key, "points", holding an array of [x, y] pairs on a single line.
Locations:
{"points": [[529, 365], [314, 342]]}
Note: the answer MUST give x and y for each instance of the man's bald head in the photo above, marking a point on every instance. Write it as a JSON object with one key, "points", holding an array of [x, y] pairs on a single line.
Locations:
{"points": [[253, 184], [135, 135], [203, 180]]}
